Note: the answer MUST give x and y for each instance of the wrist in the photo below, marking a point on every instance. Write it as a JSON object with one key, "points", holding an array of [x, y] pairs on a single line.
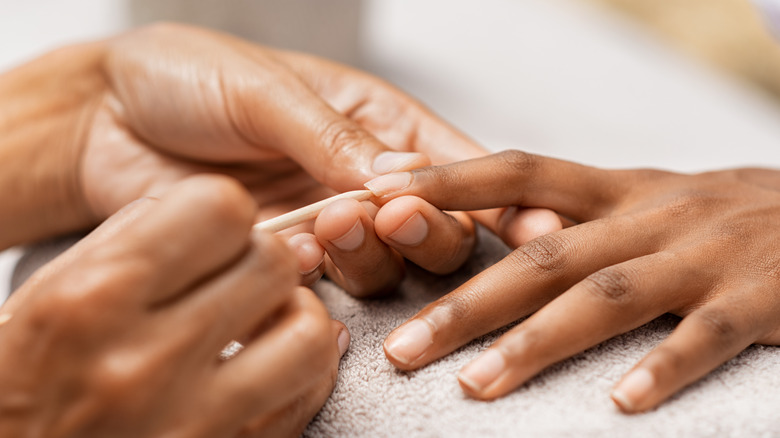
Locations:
{"points": [[46, 108]]}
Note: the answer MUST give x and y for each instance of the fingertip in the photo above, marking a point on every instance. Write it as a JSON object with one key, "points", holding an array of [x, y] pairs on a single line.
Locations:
{"points": [[478, 379], [343, 337], [337, 219], [310, 254], [518, 226], [634, 390], [406, 345], [400, 221]]}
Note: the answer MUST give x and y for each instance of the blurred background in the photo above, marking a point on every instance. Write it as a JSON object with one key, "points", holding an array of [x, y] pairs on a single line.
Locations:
{"points": [[687, 85]]}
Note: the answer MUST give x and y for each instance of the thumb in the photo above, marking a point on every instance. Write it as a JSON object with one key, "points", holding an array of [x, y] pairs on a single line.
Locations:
{"points": [[335, 150]]}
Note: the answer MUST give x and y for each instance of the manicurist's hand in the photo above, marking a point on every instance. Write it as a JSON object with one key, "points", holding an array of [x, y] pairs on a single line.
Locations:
{"points": [[705, 247], [105, 123], [120, 336]]}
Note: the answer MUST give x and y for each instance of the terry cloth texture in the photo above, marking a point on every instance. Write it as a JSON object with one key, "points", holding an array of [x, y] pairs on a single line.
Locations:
{"points": [[570, 399]]}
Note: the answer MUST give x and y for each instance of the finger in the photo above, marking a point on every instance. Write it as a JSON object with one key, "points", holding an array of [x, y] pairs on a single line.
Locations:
{"points": [[295, 354], [703, 340], [98, 237], [170, 248], [311, 257], [505, 179], [607, 303], [335, 150], [516, 286], [517, 226], [229, 305], [361, 263], [419, 130], [436, 241], [370, 99], [293, 419]]}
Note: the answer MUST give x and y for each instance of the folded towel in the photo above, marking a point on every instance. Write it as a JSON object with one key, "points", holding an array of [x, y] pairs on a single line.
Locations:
{"points": [[373, 399]]}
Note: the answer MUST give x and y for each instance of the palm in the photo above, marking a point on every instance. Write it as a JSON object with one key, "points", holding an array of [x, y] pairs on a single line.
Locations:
{"points": [[159, 123], [118, 167]]}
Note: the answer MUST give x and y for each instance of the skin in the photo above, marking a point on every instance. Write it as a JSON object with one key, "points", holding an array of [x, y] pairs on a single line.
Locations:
{"points": [[109, 122], [87, 129], [647, 242], [119, 336]]}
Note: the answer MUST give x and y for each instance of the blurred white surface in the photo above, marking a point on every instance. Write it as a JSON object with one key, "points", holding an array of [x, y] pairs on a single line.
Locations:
{"points": [[562, 78], [29, 28]]}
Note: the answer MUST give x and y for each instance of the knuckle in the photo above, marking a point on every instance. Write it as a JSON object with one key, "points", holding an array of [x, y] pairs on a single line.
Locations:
{"points": [[547, 254], [117, 376], [689, 202], [341, 139], [77, 302], [719, 324], [340, 136], [611, 285], [226, 199], [517, 162], [460, 306]]}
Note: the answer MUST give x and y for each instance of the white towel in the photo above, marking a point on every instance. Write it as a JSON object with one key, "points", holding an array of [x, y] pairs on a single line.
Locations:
{"points": [[373, 399]]}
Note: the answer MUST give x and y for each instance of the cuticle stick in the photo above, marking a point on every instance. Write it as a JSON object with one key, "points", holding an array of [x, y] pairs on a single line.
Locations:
{"points": [[308, 212]]}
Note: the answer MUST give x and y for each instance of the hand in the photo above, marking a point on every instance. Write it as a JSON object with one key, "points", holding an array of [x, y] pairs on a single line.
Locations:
{"points": [[704, 247], [105, 123], [120, 335]]}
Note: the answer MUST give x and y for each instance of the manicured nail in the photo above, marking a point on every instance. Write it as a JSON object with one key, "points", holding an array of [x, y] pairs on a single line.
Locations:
{"points": [[633, 389], [409, 341], [386, 184], [387, 162], [5, 317], [483, 371], [352, 239], [412, 232], [343, 341]]}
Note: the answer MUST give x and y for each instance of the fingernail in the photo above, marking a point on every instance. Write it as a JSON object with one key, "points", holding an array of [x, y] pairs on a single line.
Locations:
{"points": [[387, 162], [410, 341], [352, 239], [633, 389], [312, 270], [5, 317], [483, 371], [343, 341], [386, 184], [412, 232]]}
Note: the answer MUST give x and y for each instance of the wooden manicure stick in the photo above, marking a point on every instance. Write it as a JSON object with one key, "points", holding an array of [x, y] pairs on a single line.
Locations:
{"points": [[308, 212]]}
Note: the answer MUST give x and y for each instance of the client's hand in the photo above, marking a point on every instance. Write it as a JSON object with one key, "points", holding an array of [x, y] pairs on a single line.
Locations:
{"points": [[120, 336], [705, 247]]}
